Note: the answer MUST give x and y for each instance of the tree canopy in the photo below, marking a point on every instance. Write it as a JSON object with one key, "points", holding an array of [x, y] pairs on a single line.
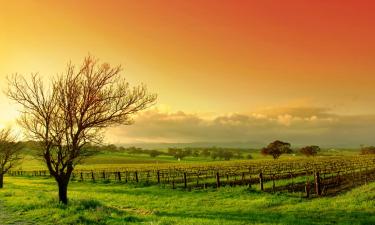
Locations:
{"points": [[276, 149]]}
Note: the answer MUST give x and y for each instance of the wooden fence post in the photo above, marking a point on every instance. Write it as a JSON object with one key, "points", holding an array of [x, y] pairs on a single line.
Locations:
{"points": [[119, 176], [217, 180], [158, 173], [353, 176], [126, 176], [307, 187], [292, 183], [261, 181], [92, 176], [318, 190], [249, 178], [185, 180]]}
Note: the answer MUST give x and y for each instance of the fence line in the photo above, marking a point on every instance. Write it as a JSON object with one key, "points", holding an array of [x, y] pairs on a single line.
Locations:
{"points": [[314, 177]]}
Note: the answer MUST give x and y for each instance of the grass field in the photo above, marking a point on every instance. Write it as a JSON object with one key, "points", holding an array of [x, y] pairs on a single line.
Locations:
{"points": [[34, 201]]}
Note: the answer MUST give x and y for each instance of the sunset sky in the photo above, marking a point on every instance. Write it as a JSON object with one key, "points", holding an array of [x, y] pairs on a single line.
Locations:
{"points": [[224, 71]]}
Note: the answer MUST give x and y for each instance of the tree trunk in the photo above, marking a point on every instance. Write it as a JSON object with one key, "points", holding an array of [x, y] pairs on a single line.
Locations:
{"points": [[62, 180], [63, 190], [1, 180]]}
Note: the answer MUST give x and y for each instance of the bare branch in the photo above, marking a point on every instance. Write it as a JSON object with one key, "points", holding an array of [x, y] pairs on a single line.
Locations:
{"points": [[9, 150], [73, 111]]}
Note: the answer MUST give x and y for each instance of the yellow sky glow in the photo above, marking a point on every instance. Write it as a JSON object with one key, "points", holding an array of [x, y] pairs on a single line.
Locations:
{"points": [[208, 58]]}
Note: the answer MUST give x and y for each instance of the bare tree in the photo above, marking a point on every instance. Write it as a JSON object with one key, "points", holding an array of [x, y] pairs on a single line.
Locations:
{"points": [[73, 111], [9, 152]]}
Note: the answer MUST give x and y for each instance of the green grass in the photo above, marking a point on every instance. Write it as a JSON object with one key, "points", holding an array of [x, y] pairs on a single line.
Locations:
{"points": [[34, 201]]}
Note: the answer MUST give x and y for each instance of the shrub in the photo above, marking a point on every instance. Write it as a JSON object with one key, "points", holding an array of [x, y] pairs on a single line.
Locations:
{"points": [[310, 150], [368, 150], [249, 156]]}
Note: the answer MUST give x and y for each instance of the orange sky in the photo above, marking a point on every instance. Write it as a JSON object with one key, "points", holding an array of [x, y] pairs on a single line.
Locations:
{"points": [[206, 56]]}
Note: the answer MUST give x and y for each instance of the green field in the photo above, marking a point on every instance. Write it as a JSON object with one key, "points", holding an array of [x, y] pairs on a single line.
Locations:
{"points": [[107, 159], [34, 201]]}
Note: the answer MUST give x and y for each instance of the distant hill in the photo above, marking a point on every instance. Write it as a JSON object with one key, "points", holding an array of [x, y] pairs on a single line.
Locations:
{"points": [[247, 145]]}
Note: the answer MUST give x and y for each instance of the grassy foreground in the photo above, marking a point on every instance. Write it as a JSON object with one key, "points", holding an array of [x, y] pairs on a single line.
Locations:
{"points": [[33, 201]]}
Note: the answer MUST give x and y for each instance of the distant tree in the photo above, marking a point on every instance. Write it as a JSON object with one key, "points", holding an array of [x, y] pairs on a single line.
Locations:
{"points": [[111, 148], [73, 110], [310, 150], [276, 149], [249, 156], [90, 148], [179, 153], [222, 154], [188, 151], [226, 155], [134, 150], [214, 155], [172, 151], [367, 150], [238, 154], [205, 153], [9, 152], [154, 153], [195, 153]]}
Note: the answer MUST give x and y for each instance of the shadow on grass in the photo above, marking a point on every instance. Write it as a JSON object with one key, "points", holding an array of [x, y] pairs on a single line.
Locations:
{"points": [[83, 211], [123, 189], [106, 213]]}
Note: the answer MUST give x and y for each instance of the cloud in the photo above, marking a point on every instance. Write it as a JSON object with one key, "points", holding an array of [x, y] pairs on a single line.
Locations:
{"points": [[302, 125]]}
